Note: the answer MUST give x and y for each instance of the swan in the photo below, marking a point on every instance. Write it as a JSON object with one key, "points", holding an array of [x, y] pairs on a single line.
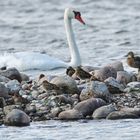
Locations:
{"points": [[37, 61]]}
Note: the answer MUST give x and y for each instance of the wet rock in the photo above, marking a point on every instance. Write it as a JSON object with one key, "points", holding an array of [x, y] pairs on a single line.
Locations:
{"points": [[85, 94], [99, 90], [64, 99], [87, 107], [70, 115], [4, 92], [121, 115], [55, 112], [133, 86], [2, 102], [4, 79], [113, 85], [105, 72], [24, 77], [135, 110], [124, 77], [104, 111], [118, 66], [17, 118], [67, 84], [9, 108], [11, 73], [13, 86]]}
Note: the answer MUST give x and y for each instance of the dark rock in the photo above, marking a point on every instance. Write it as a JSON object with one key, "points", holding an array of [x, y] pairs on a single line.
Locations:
{"points": [[131, 110], [2, 102], [121, 115], [4, 92], [102, 112], [105, 73], [24, 77], [11, 73], [87, 107], [17, 118], [70, 115]]}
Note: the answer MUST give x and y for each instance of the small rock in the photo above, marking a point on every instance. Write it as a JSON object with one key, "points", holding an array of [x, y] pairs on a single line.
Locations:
{"points": [[99, 90], [103, 111], [70, 115], [2, 102], [4, 92], [11, 73], [14, 86], [17, 118], [121, 115], [67, 84], [118, 66], [105, 72], [113, 85], [87, 107]]}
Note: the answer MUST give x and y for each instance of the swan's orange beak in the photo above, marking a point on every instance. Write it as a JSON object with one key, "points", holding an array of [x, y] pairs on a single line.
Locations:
{"points": [[79, 18]]}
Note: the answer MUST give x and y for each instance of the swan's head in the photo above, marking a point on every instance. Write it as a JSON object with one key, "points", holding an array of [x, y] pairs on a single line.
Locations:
{"points": [[73, 14]]}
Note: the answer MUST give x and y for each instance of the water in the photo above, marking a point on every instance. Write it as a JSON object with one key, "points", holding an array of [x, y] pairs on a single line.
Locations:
{"points": [[81, 130], [37, 26]]}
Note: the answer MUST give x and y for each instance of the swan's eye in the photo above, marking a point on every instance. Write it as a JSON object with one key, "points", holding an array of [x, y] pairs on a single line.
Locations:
{"points": [[77, 14]]}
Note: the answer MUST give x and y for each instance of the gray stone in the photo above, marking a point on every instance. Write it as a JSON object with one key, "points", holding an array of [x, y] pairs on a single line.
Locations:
{"points": [[124, 77], [113, 85], [99, 90], [87, 107], [105, 72], [17, 118], [67, 84], [11, 73], [121, 115], [4, 92], [13, 86], [70, 115], [102, 112], [118, 66], [4, 79]]}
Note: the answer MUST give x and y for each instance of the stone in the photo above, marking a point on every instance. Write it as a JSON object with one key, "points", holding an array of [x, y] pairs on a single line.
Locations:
{"points": [[123, 77], [17, 118], [118, 65], [11, 73], [4, 92], [99, 90], [103, 111], [2, 102], [4, 79], [9, 108], [67, 84], [121, 115], [13, 86], [24, 77], [70, 115], [85, 94], [131, 110], [113, 85], [87, 107], [105, 72]]}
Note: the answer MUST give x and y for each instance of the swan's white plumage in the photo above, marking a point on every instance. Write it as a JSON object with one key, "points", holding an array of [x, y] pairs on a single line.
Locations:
{"points": [[30, 60], [33, 60]]}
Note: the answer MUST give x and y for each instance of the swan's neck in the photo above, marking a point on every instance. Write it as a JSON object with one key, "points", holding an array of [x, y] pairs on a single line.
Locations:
{"points": [[75, 55]]}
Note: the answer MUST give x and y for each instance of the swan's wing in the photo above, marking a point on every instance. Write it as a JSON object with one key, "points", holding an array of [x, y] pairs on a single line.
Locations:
{"points": [[30, 60]]}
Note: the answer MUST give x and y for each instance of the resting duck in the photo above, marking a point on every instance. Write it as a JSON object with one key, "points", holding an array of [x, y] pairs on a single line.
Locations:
{"points": [[133, 61]]}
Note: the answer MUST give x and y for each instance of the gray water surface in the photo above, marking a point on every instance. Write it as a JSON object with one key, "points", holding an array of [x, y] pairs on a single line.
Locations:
{"points": [[75, 130]]}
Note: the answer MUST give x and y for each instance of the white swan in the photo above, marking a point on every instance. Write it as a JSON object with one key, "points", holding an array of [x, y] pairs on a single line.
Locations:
{"points": [[34, 60]]}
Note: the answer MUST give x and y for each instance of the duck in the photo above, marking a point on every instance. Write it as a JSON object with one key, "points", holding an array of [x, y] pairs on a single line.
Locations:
{"points": [[82, 74], [133, 61], [70, 71]]}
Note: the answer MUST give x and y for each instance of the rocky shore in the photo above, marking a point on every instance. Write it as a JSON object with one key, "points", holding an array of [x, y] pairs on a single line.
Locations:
{"points": [[111, 93]]}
